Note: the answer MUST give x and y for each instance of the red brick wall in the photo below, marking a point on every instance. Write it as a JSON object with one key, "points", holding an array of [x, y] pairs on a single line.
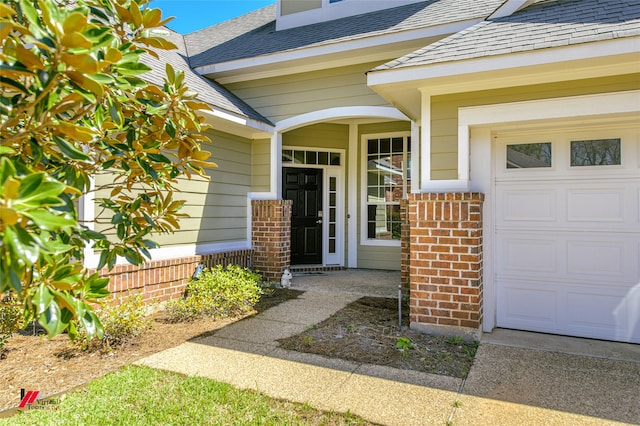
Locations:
{"points": [[161, 280], [271, 237], [445, 262]]}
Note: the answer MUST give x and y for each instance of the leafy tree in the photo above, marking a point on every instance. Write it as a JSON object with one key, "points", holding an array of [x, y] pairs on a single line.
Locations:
{"points": [[72, 105]]}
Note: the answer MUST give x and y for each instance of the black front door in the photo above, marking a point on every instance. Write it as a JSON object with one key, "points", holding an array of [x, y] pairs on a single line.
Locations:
{"points": [[304, 188]]}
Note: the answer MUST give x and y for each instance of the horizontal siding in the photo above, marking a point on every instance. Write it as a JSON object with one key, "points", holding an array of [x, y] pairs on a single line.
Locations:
{"points": [[278, 98], [444, 111], [376, 257], [371, 257], [324, 135], [288, 7], [217, 208], [261, 165]]}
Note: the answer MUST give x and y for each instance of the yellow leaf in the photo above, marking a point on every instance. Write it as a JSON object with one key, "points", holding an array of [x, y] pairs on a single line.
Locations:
{"points": [[123, 13], [86, 83], [74, 40], [158, 42], [10, 188], [5, 29], [136, 16], [151, 18], [76, 132], [29, 59], [113, 55], [8, 216], [198, 105], [82, 62], [6, 11], [75, 22], [201, 155]]}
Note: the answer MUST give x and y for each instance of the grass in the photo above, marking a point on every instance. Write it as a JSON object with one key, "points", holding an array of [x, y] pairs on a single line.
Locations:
{"points": [[145, 396]]}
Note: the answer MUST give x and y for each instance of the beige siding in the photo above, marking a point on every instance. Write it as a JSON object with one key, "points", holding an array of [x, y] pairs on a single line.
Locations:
{"points": [[261, 165], [279, 98], [375, 257], [444, 111], [217, 208], [324, 135], [294, 6]]}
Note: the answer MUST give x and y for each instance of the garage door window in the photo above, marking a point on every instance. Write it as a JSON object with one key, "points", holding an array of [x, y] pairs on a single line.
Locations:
{"points": [[529, 155], [598, 152]]}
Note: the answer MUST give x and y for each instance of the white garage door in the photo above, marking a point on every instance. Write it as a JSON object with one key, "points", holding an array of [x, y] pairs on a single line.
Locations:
{"points": [[568, 233]]}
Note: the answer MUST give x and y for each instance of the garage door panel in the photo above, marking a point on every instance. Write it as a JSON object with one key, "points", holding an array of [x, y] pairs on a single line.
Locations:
{"points": [[529, 205], [526, 255], [596, 205], [522, 304], [601, 258]]}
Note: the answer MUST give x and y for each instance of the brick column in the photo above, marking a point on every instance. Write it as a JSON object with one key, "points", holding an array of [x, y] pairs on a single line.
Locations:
{"points": [[271, 237], [445, 265]]}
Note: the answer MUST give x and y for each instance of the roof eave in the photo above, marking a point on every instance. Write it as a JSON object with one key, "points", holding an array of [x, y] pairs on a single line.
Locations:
{"points": [[403, 87], [236, 124]]}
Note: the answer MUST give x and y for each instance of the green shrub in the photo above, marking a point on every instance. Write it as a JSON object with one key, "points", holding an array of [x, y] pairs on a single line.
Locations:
{"points": [[120, 323], [217, 292], [11, 319]]}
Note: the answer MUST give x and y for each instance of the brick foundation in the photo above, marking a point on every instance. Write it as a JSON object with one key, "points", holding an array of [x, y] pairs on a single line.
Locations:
{"points": [[271, 237], [161, 280], [445, 263], [405, 249]]}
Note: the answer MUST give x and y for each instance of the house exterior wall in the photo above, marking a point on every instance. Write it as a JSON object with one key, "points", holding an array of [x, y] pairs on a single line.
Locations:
{"points": [[288, 7], [261, 165], [217, 208], [279, 98], [374, 256], [444, 111]]}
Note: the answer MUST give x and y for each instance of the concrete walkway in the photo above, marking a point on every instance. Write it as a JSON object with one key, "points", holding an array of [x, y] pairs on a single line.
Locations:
{"points": [[517, 378]]}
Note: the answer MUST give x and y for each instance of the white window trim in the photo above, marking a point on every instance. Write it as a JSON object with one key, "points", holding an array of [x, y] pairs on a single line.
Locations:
{"points": [[364, 240]]}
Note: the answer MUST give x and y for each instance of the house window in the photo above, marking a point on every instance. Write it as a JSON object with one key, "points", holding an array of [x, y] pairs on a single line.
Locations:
{"points": [[598, 152], [387, 182], [529, 155], [310, 157]]}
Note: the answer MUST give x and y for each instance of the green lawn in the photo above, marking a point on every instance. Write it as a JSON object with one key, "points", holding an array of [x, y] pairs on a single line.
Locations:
{"points": [[145, 396]]}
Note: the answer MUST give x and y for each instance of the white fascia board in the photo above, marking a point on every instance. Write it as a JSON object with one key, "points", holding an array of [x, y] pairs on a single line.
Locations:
{"points": [[263, 66], [442, 74], [237, 124]]}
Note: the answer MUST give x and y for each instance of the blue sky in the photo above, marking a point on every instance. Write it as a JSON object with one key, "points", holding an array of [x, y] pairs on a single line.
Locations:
{"points": [[192, 15]]}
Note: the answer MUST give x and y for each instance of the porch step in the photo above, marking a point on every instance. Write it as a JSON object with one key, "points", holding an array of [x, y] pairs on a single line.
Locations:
{"points": [[314, 268]]}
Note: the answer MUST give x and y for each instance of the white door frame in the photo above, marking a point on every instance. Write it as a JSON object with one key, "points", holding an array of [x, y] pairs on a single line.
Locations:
{"points": [[337, 258]]}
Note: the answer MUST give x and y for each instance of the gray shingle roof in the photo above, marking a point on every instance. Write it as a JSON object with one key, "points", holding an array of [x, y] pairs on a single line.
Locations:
{"points": [[255, 35], [208, 91], [545, 24]]}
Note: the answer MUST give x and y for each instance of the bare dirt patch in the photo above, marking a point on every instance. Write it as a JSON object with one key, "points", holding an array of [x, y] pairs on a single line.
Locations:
{"points": [[53, 366], [366, 331]]}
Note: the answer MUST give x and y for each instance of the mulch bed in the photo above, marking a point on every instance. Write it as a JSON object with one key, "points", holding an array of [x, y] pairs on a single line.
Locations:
{"points": [[366, 331]]}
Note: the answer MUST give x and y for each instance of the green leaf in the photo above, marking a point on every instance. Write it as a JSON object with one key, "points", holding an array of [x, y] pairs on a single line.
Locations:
{"points": [[42, 299], [49, 221], [132, 68], [30, 12], [69, 150]]}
